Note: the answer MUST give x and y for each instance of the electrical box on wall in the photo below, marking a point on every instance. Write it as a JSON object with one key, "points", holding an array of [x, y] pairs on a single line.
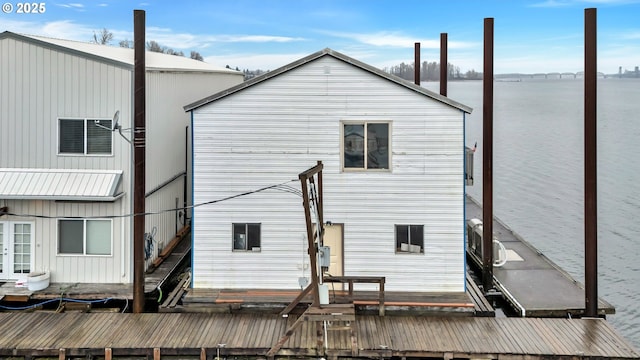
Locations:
{"points": [[325, 256]]}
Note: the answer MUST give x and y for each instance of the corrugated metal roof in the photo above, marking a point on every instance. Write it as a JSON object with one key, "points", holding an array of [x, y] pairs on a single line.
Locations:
{"points": [[125, 56], [337, 55], [60, 184]]}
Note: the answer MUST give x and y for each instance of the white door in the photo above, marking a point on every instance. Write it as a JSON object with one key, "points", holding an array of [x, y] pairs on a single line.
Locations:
{"points": [[16, 239]]}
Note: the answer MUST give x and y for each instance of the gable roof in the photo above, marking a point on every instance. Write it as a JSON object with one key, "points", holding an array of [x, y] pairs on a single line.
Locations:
{"points": [[339, 56], [119, 55]]}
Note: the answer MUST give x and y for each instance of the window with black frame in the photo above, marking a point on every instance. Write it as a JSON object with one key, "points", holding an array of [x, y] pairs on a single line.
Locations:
{"points": [[410, 239], [84, 137], [246, 237]]}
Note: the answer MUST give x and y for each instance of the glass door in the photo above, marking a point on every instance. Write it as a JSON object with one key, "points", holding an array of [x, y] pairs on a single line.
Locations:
{"points": [[15, 242], [20, 255]]}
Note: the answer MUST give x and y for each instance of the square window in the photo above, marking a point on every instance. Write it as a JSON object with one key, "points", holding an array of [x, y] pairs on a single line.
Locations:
{"points": [[84, 237], [365, 138], [85, 136], [410, 239], [246, 237]]}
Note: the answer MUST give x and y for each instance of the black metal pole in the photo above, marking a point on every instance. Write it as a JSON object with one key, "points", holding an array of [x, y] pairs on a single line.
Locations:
{"points": [[139, 159], [444, 64], [416, 63], [590, 165], [487, 157]]}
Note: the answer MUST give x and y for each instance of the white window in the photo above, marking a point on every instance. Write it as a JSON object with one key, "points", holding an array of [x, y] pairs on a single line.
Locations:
{"points": [[84, 237], [85, 136], [410, 239], [246, 237], [365, 145]]}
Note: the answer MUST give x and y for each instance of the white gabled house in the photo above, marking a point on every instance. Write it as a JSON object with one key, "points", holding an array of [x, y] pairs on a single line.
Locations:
{"points": [[66, 177], [393, 178]]}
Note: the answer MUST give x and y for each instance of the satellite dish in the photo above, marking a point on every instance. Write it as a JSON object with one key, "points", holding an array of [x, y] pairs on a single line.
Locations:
{"points": [[114, 123]]}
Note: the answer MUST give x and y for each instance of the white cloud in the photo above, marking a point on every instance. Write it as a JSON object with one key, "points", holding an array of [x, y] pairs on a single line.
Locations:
{"points": [[254, 61], [632, 35], [166, 37], [76, 6], [66, 29], [396, 39]]}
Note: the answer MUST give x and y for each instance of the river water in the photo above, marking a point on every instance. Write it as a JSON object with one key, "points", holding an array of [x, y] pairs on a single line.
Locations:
{"points": [[539, 183]]}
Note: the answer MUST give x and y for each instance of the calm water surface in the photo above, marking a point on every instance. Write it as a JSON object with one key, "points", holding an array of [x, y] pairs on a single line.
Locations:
{"points": [[539, 183]]}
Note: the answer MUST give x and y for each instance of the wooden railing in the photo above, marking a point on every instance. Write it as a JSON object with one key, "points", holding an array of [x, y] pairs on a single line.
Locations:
{"points": [[380, 280]]}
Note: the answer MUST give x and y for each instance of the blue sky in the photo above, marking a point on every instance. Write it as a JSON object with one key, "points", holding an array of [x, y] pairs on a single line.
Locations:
{"points": [[530, 35]]}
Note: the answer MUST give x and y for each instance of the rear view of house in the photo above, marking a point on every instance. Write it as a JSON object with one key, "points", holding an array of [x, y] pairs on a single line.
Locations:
{"points": [[66, 113], [393, 178]]}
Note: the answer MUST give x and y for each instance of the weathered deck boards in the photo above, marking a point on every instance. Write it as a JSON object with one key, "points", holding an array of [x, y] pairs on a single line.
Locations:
{"points": [[238, 300], [81, 291], [527, 284], [82, 335]]}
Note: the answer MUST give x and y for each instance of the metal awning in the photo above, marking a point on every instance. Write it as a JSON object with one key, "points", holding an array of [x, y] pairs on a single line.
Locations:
{"points": [[60, 184]]}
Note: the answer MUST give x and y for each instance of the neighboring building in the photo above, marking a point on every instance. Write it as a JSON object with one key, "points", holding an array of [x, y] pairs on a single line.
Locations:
{"points": [[393, 178], [63, 171]]}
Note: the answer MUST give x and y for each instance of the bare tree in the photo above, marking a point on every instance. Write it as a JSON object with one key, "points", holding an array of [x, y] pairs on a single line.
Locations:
{"points": [[103, 37], [126, 44], [196, 56], [155, 47]]}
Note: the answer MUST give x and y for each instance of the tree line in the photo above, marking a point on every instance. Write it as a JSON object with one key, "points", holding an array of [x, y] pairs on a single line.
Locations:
{"points": [[105, 37], [430, 71]]}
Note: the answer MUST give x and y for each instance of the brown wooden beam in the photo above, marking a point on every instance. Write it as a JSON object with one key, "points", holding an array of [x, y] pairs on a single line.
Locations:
{"points": [[444, 64], [139, 140], [274, 349], [416, 63], [590, 164], [487, 158]]}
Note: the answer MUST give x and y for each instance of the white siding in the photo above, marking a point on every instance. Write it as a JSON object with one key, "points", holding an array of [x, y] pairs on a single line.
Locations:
{"points": [[39, 85], [72, 268], [166, 138], [270, 132]]}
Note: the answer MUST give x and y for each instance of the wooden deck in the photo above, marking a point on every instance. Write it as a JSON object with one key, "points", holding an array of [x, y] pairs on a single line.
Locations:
{"points": [[157, 279], [470, 303], [198, 335], [526, 284]]}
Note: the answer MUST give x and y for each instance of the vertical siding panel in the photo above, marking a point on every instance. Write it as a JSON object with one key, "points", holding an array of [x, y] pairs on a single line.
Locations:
{"points": [[4, 100], [44, 83]]}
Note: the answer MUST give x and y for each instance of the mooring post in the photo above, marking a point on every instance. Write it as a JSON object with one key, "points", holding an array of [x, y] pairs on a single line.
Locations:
{"points": [[487, 158], [590, 164], [444, 64], [139, 137]]}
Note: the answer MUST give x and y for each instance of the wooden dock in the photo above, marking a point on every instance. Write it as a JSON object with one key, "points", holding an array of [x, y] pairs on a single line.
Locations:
{"points": [[531, 283], [469, 303], [202, 336], [156, 281]]}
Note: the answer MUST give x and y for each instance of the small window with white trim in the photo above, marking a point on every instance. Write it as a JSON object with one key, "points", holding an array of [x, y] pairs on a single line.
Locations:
{"points": [[246, 237], [84, 236], [85, 137], [365, 145], [410, 239]]}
